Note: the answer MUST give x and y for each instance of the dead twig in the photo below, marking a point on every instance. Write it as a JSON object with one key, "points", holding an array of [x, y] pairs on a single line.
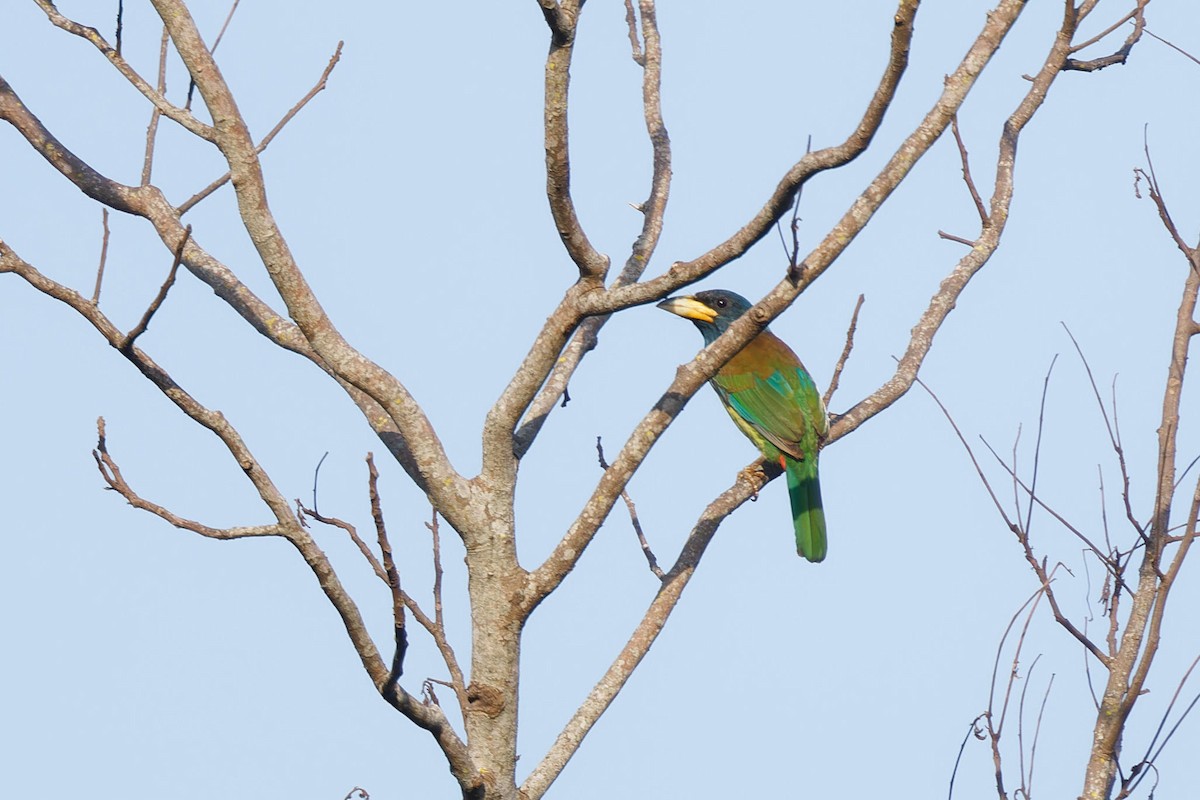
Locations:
{"points": [[1037, 446], [1089, 42], [1174, 47], [117, 483], [1114, 435], [351, 531], [103, 254], [144, 322], [400, 631], [973, 728], [984, 219], [633, 517], [436, 627], [793, 250], [952, 238], [1038, 567], [846, 349], [435, 536], [1037, 732], [1121, 54], [191, 202], [155, 113], [1137, 774], [639, 55]]}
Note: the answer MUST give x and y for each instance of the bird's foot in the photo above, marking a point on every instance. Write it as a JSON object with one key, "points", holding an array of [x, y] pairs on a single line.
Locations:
{"points": [[756, 478]]}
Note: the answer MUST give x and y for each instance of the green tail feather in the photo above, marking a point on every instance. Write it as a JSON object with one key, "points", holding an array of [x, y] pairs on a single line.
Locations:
{"points": [[808, 514]]}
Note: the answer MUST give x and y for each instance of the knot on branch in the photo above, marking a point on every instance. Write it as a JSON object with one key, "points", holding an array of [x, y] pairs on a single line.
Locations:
{"points": [[484, 699]]}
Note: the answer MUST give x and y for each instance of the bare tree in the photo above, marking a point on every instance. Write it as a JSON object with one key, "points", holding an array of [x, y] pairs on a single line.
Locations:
{"points": [[504, 593], [1133, 602]]}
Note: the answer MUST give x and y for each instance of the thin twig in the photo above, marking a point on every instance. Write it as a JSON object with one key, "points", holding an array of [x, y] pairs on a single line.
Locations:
{"points": [[103, 254], [400, 630], [1034, 600], [966, 171], [191, 202], [1151, 754], [144, 322], [961, 240], [793, 251], [1021, 727], [436, 627], [1037, 732], [1121, 54], [841, 362], [972, 728], [317, 477], [633, 517], [1038, 568], [1037, 447], [995, 730], [435, 535], [1174, 47], [1108, 546], [1021, 523], [1113, 436], [350, 530], [1043, 505], [155, 113], [117, 483], [1156, 195], [1089, 42]]}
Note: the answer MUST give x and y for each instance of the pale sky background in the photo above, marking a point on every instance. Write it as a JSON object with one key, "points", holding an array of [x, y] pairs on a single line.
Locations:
{"points": [[142, 661]]}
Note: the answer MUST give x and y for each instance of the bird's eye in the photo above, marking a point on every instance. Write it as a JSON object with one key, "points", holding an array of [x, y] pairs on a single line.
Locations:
{"points": [[722, 303]]}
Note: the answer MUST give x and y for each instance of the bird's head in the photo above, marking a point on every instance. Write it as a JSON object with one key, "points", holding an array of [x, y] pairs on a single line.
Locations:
{"points": [[711, 311]]}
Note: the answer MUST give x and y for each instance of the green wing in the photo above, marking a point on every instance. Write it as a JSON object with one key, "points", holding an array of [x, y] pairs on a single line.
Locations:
{"points": [[784, 408]]}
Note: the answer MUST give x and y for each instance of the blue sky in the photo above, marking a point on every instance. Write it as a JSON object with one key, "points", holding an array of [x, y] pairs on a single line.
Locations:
{"points": [[145, 660]]}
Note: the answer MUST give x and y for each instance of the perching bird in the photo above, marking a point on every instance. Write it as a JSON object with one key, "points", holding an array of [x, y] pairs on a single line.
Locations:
{"points": [[773, 400]]}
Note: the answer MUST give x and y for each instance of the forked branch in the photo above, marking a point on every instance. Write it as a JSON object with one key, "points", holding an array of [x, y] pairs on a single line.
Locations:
{"points": [[172, 112]]}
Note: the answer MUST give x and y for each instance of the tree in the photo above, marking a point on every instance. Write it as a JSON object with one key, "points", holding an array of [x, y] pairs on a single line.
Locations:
{"points": [[505, 592], [1132, 603]]}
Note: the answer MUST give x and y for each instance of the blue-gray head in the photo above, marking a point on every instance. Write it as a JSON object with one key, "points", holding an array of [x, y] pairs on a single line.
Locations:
{"points": [[711, 311]]}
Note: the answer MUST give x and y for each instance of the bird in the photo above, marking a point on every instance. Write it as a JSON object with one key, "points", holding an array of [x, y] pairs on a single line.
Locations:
{"points": [[774, 401]]}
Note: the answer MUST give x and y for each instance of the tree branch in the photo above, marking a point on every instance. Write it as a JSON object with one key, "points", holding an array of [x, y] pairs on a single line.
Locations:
{"points": [[426, 459], [610, 684], [536, 410], [191, 202], [845, 356], [286, 522], [103, 255], [116, 482], [144, 322], [152, 128], [692, 376], [563, 18], [173, 112]]}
